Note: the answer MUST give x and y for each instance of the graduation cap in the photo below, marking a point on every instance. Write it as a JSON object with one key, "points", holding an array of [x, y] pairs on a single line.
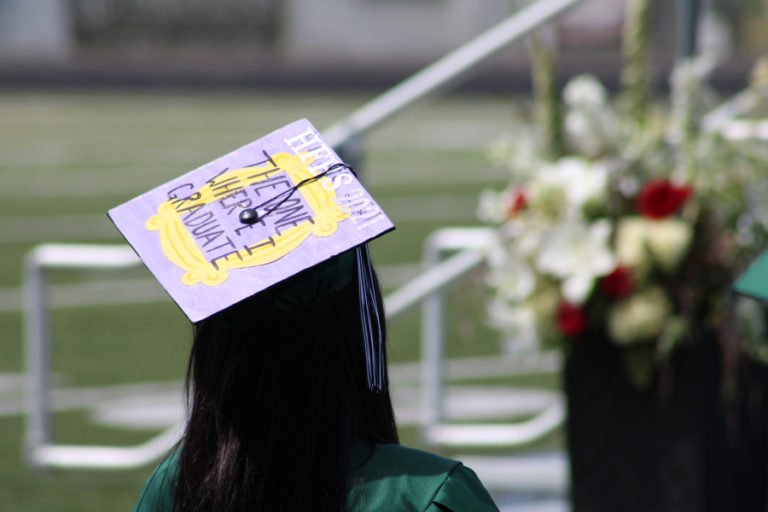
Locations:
{"points": [[754, 282], [282, 206]]}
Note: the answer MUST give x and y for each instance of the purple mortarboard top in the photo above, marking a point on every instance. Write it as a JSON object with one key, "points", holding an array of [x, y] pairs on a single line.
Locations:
{"points": [[189, 234]]}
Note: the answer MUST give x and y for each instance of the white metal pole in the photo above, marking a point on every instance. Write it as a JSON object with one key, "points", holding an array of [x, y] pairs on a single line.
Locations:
{"points": [[37, 357], [432, 347], [36, 329], [445, 71]]}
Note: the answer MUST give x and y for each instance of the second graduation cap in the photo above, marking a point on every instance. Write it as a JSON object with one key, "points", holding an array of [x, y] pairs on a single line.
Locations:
{"points": [[754, 281]]}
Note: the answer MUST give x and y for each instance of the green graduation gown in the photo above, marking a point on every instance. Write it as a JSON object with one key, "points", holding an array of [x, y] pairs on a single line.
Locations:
{"points": [[393, 479]]}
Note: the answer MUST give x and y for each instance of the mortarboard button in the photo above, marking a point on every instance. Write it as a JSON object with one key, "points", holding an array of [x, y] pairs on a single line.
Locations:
{"points": [[249, 216]]}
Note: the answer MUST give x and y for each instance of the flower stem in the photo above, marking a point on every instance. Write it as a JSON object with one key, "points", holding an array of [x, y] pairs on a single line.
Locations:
{"points": [[547, 96], [635, 76]]}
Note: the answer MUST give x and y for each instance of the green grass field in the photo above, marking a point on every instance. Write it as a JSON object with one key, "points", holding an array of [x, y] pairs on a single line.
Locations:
{"points": [[67, 157]]}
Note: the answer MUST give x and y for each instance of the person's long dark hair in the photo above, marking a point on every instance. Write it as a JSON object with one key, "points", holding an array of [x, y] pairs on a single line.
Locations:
{"points": [[276, 403]]}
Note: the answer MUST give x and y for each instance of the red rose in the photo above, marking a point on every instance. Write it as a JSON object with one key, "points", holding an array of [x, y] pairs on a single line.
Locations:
{"points": [[619, 283], [661, 198], [571, 320], [515, 202]]}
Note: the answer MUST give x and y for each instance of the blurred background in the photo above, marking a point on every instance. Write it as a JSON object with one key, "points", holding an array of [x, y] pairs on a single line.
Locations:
{"points": [[101, 100], [341, 43]]}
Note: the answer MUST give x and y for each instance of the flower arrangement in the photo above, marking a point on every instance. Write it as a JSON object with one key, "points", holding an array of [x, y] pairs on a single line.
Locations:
{"points": [[631, 221]]}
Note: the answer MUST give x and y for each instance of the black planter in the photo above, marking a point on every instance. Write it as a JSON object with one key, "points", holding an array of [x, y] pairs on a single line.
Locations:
{"points": [[677, 446]]}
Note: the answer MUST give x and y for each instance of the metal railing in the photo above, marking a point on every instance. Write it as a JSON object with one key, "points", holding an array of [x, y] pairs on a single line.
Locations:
{"points": [[469, 247], [346, 135], [472, 244], [40, 449]]}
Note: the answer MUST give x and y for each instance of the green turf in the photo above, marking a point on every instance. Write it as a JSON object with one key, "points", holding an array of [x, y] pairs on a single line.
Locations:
{"points": [[126, 343], [10, 327], [60, 491], [79, 153]]}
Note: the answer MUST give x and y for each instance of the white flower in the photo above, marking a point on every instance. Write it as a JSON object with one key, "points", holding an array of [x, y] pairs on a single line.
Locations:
{"points": [[641, 241], [578, 254], [528, 239], [585, 91], [580, 180], [669, 240], [491, 207], [521, 156], [512, 278], [631, 245], [639, 318], [590, 125], [591, 132]]}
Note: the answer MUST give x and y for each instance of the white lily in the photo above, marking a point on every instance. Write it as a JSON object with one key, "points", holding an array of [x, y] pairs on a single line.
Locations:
{"points": [[578, 254], [579, 179]]}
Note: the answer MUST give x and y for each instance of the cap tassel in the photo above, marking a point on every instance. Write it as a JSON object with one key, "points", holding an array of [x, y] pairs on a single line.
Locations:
{"points": [[373, 335]]}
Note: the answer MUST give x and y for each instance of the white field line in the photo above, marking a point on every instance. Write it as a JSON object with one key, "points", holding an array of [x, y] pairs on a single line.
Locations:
{"points": [[471, 368], [11, 382], [133, 181], [146, 290], [468, 403], [447, 207], [437, 207], [63, 399], [56, 228], [453, 177], [463, 402], [92, 293], [57, 160], [470, 128], [80, 184]]}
